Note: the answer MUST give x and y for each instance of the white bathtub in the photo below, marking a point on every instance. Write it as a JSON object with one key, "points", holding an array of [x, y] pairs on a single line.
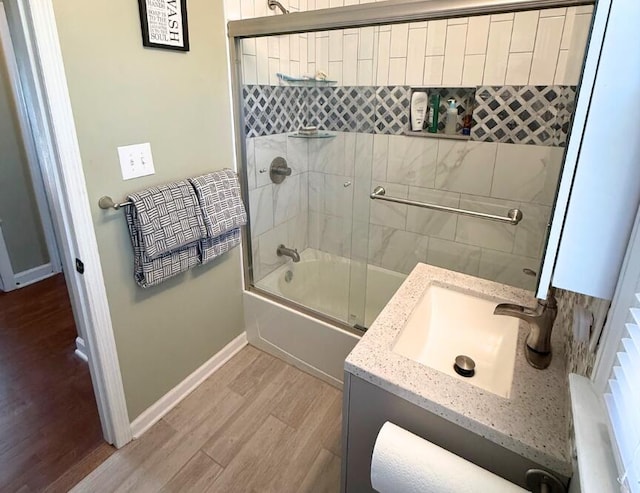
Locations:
{"points": [[344, 290]]}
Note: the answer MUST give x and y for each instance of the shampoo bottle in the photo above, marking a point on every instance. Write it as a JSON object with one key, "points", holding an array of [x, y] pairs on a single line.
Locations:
{"points": [[434, 113], [452, 118], [419, 103]]}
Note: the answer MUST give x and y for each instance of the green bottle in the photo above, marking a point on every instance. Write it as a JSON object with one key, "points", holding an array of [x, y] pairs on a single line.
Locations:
{"points": [[434, 113]]}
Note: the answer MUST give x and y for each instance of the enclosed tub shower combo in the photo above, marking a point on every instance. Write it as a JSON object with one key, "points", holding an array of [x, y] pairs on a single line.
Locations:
{"points": [[344, 198]]}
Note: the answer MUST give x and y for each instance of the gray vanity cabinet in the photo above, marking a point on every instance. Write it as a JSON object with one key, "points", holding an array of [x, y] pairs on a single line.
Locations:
{"points": [[367, 407]]}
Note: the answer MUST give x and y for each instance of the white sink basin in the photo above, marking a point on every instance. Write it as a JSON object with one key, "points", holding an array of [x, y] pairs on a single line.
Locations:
{"points": [[447, 323]]}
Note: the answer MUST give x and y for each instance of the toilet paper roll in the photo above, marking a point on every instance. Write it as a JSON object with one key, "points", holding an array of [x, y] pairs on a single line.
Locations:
{"points": [[405, 463]]}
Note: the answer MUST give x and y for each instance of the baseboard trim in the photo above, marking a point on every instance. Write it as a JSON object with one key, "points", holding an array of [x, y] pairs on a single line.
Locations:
{"points": [[31, 276], [81, 349], [172, 398]]}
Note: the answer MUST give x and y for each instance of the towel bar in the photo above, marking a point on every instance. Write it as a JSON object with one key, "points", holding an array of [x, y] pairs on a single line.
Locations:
{"points": [[107, 202], [514, 216]]}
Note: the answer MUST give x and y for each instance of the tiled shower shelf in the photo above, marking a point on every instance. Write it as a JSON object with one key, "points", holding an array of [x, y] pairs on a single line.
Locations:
{"points": [[319, 135], [304, 81], [430, 135]]}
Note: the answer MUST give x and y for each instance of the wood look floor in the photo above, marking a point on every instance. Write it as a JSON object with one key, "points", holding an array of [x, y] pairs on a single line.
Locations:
{"points": [[50, 433], [256, 425]]}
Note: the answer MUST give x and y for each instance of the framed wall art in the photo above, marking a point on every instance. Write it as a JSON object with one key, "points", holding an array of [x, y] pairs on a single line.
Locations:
{"points": [[164, 24]]}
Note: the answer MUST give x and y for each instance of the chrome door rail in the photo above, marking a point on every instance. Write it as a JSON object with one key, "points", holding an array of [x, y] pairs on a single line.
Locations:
{"points": [[389, 12], [514, 216]]}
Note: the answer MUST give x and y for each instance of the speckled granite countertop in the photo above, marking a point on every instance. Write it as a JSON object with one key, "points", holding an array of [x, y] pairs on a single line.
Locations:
{"points": [[532, 422]]}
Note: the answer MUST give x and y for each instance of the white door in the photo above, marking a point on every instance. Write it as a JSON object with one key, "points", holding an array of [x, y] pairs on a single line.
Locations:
{"points": [[28, 250]]}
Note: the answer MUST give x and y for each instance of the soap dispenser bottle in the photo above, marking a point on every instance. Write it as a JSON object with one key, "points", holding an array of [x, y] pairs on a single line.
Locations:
{"points": [[451, 121]]}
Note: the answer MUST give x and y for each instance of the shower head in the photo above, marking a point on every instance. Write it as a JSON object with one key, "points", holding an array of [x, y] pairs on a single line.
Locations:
{"points": [[274, 3]]}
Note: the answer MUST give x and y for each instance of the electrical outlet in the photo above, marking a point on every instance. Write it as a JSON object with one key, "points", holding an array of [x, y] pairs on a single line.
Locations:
{"points": [[136, 161]]}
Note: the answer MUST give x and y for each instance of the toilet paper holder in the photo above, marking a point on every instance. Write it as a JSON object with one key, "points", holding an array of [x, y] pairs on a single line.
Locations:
{"points": [[539, 481]]}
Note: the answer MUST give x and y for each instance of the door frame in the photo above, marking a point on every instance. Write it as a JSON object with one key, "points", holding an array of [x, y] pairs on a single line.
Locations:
{"points": [[11, 279], [48, 104]]}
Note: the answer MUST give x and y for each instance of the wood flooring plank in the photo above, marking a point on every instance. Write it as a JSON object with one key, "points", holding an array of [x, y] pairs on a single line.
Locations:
{"points": [[195, 476], [295, 400], [229, 439], [251, 379], [324, 475], [48, 415], [168, 458], [303, 446], [227, 442], [126, 461], [332, 439], [197, 405], [81, 469], [258, 460]]}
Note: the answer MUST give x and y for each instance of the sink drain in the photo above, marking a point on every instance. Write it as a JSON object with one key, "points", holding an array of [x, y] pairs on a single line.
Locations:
{"points": [[464, 366]]}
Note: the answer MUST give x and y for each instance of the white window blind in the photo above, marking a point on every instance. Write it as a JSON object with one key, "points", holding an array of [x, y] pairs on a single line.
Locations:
{"points": [[623, 402]]}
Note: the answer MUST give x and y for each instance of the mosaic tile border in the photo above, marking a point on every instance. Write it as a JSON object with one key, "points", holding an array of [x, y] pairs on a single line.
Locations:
{"points": [[535, 115]]}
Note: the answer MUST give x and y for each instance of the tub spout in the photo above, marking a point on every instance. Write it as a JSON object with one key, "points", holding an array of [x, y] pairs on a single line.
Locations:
{"points": [[288, 252], [540, 320]]}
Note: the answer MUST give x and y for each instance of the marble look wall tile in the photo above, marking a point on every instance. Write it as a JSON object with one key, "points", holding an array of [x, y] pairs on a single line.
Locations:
{"points": [[269, 242], [465, 167], [266, 150], [250, 150], [395, 249], [429, 222], [349, 153], [506, 268], [330, 234], [360, 239], [304, 192], [454, 256], [481, 232], [380, 157], [364, 156], [328, 156], [388, 213], [261, 209], [412, 161], [338, 199], [286, 199], [298, 231], [316, 191], [531, 231], [298, 155], [527, 173], [255, 259]]}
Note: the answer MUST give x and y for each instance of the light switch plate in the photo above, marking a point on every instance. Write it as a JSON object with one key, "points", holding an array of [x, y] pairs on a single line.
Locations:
{"points": [[136, 161]]}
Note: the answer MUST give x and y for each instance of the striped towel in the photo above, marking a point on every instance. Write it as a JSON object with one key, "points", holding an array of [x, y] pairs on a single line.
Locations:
{"points": [[223, 211], [165, 225]]}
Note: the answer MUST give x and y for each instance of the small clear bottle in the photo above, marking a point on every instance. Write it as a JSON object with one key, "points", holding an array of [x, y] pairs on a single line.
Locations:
{"points": [[451, 121]]}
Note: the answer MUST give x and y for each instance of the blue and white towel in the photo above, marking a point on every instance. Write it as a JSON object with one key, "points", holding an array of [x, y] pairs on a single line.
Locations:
{"points": [[223, 211], [166, 225]]}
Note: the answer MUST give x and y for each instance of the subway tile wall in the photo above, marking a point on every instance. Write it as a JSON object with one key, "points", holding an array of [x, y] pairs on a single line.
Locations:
{"points": [[543, 47]]}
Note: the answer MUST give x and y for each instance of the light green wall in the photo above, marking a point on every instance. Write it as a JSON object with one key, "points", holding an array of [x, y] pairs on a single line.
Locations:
{"points": [[122, 94], [21, 226]]}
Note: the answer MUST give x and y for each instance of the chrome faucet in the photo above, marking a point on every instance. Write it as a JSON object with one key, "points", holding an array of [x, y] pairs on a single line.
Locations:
{"points": [[540, 320], [288, 252]]}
